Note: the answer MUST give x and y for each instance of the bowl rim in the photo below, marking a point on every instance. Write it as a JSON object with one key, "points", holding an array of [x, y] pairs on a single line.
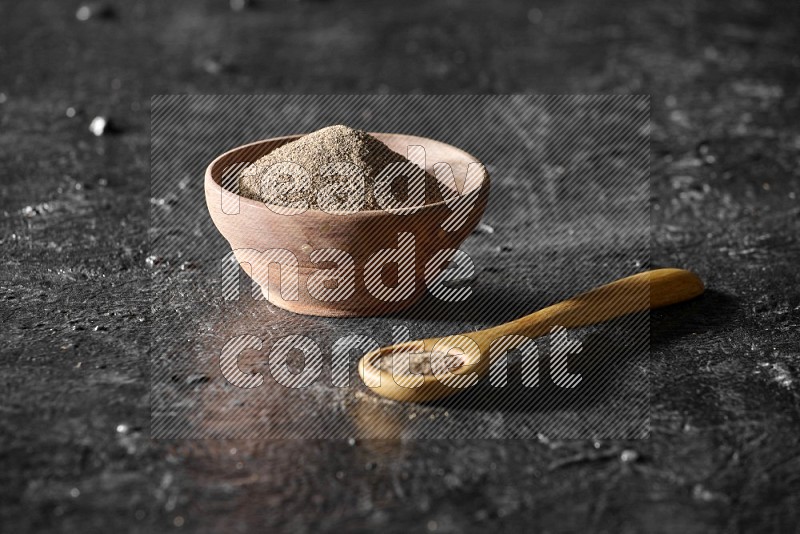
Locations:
{"points": [[211, 181]]}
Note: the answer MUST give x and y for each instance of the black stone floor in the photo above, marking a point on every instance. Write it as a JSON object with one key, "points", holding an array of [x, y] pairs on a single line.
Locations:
{"points": [[724, 446]]}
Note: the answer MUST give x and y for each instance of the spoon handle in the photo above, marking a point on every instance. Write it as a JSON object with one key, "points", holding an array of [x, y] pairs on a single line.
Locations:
{"points": [[640, 292]]}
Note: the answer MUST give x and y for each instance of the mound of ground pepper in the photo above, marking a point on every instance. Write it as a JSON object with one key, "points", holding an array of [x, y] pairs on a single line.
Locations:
{"points": [[341, 166]]}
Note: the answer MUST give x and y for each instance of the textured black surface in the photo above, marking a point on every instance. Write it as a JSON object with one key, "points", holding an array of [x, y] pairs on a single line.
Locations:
{"points": [[723, 452]]}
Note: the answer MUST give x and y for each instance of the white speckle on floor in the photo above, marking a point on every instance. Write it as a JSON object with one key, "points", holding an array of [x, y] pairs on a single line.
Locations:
{"points": [[778, 373]]}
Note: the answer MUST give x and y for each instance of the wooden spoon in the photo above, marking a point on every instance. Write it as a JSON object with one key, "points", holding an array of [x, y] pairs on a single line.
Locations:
{"points": [[438, 377]]}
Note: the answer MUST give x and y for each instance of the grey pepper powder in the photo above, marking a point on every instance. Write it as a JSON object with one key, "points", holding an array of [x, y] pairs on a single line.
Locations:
{"points": [[341, 165]]}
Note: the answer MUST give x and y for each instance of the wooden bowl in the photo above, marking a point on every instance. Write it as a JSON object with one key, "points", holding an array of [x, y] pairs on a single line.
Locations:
{"points": [[251, 226]]}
